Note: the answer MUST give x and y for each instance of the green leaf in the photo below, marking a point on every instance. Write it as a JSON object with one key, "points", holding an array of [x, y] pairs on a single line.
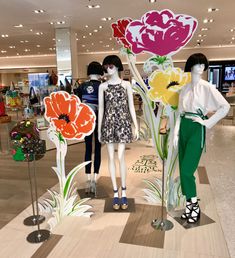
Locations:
{"points": [[71, 175], [129, 52], [61, 138]]}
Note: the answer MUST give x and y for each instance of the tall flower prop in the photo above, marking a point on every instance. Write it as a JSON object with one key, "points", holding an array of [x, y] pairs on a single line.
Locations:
{"points": [[161, 34], [68, 119]]}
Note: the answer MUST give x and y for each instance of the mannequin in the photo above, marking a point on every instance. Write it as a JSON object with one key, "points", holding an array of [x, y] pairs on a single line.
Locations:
{"points": [[116, 110], [196, 100], [88, 93]]}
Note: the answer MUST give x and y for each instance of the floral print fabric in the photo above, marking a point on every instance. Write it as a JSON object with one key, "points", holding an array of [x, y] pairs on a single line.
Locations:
{"points": [[116, 124]]}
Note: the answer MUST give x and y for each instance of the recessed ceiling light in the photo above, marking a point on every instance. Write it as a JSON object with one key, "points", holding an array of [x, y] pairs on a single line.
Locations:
{"points": [[39, 33], [106, 19], [3, 51], [212, 10], [38, 46], [200, 40], [95, 30], [77, 39], [152, 1], [87, 50], [231, 30], [83, 45], [233, 38], [110, 38], [27, 50], [106, 46], [90, 34], [39, 11], [17, 54], [51, 23], [112, 48], [18, 26], [93, 6], [100, 27], [5, 36], [231, 42], [31, 30], [204, 29], [101, 41], [211, 20], [60, 22], [207, 20], [86, 26], [12, 47], [83, 37], [92, 44]]}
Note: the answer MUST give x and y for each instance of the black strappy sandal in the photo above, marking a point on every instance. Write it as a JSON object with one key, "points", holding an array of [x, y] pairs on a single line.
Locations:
{"points": [[187, 211], [193, 218]]}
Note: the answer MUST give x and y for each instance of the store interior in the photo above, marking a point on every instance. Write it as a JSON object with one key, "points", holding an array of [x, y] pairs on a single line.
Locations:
{"points": [[46, 48]]}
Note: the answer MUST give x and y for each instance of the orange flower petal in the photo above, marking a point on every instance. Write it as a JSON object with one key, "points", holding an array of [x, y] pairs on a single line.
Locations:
{"points": [[69, 131], [50, 112], [61, 102]]}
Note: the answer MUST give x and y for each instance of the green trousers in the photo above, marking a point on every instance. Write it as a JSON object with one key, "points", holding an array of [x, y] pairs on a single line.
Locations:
{"points": [[191, 135]]}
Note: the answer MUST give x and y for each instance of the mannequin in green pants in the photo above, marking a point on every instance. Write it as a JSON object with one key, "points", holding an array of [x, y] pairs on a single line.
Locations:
{"points": [[196, 100]]}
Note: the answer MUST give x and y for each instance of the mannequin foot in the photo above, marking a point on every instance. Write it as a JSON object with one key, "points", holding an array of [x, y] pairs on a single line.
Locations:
{"points": [[88, 187], [116, 203], [195, 213], [93, 187], [187, 211], [124, 202]]}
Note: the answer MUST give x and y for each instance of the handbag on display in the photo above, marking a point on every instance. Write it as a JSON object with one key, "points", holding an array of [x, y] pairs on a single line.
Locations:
{"points": [[32, 96], [25, 142]]}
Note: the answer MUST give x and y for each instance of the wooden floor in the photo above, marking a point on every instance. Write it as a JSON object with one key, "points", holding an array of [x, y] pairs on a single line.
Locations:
{"points": [[104, 234]]}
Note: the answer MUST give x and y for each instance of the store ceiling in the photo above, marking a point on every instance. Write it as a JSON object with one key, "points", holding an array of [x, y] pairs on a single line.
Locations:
{"points": [[76, 14]]}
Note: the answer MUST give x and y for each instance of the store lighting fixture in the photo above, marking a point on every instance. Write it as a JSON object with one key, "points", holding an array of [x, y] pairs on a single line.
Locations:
{"points": [[83, 37], [95, 30], [86, 26], [92, 44], [106, 19], [83, 45], [212, 10], [87, 50], [18, 26], [207, 20], [39, 33], [17, 54], [3, 51], [51, 23], [106, 46], [5, 36], [77, 39], [39, 11], [200, 40], [31, 30], [204, 29], [53, 39], [12, 46], [232, 30], [152, 1], [27, 50], [201, 35], [60, 22], [90, 34], [93, 6], [101, 41], [38, 46], [100, 27]]}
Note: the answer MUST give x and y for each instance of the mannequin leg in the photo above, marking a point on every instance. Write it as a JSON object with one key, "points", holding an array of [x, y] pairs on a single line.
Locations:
{"points": [[122, 166], [88, 153], [112, 171], [97, 158], [112, 167]]}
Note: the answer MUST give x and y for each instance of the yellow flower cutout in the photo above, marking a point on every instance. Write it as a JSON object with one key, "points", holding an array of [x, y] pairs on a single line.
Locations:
{"points": [[165, 85]]}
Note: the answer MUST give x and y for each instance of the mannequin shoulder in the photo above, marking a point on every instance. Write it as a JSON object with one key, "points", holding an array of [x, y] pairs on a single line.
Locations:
{"points": [[103, 86], [126, 85]]}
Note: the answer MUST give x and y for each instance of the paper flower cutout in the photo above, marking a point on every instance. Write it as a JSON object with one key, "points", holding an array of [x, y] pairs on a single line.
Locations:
{"points": [[161, 33], [119, 29], [166, 84], [73, 119]]}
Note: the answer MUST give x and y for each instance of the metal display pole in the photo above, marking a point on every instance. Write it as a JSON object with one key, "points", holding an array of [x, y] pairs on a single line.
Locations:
{"points": [[162, 224], [39, 235], [32, 220]]}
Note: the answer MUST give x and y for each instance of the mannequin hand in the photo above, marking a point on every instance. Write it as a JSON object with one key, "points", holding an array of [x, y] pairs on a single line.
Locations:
{"points": [[175, 140], [136, 134], [200, 121]]}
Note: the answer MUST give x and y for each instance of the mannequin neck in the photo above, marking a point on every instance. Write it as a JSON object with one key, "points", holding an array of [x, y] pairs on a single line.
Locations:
{"points": [[94, 77], [195, 78], [114, 78]]}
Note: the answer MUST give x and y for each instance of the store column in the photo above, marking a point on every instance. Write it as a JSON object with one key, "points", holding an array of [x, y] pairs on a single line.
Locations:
{"points": [[66, 54]]}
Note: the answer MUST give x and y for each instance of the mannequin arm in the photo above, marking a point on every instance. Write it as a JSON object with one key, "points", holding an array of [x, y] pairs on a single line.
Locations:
{"points": [[101, 109], [132, 109]]}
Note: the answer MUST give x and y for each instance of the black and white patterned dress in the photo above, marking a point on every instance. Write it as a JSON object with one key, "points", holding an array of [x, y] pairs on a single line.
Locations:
{"points": [[116, 124]]}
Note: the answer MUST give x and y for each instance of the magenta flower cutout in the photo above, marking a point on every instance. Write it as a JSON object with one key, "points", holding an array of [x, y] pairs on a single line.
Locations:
{"points": [[161, 33]]}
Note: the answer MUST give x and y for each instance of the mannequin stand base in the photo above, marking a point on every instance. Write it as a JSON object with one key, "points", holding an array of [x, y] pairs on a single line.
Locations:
{"points": [[163, 225], [32, 220], [38, 236]]}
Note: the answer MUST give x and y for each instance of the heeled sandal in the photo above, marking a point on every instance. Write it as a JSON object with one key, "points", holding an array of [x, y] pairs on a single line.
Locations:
{"points": [[116, 203], [187, 211], [124, 202], [193, 218]]}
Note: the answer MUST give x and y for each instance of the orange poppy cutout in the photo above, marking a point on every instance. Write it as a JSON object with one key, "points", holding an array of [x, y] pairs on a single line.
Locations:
{"points": [[73, 119]]}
